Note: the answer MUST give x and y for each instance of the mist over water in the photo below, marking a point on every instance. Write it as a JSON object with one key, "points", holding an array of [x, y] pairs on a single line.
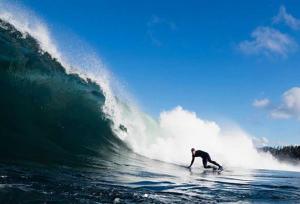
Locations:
{"points": [[168, 138]]}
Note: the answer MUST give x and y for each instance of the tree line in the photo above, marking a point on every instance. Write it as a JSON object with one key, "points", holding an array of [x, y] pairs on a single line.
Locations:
{"points": [[291, 152]]}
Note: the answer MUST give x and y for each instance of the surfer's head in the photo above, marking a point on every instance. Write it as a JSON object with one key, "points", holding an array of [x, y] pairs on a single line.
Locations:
{"points": [[193, 150]]}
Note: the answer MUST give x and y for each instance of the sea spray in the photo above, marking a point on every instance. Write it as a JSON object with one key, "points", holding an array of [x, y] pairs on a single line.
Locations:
{"points": [[171, 137]]}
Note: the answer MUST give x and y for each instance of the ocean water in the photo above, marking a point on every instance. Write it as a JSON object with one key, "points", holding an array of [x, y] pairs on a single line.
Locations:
{"points": [[65, 138], [140, 180]]}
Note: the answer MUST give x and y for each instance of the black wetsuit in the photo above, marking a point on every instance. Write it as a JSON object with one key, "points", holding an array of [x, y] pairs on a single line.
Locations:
{"points": [[205, 158]]}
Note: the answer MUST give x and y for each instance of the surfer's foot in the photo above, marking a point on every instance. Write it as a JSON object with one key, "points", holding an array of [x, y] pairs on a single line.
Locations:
{"points": [[220, 168], [214, 168]]}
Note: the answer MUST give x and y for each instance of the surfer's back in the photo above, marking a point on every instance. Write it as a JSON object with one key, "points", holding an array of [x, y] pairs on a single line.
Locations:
{"points": [[200, 153]]}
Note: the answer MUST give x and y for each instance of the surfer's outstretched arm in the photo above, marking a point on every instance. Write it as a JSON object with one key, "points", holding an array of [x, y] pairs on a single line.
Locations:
{"points": [[192, 162]]}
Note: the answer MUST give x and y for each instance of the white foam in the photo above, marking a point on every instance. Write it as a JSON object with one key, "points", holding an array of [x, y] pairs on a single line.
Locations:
{"points": [[177, 131]]}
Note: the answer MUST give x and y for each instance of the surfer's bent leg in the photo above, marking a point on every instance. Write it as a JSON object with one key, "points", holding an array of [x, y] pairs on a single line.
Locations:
{"points": [[213, 162], [204, 161]]}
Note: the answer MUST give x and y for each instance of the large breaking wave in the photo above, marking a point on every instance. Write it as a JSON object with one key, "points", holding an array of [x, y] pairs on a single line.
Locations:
{"points": [[46, 113], [55, 110]]}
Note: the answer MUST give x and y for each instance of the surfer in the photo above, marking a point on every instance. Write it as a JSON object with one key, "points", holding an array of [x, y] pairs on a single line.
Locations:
{"points": [[205, 158]]}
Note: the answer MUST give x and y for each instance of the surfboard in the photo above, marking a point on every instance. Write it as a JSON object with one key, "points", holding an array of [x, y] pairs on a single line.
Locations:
{"points": [[217, 170]]}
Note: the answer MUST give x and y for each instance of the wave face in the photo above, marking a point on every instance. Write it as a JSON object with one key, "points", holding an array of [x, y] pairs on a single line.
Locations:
{"points": [[47, 114]]}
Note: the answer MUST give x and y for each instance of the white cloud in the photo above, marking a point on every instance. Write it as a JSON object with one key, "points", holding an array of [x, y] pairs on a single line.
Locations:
{"points": [[268, 41], [280, 114], [153, 26], [290, 106], [288, 19], [261, 103]]}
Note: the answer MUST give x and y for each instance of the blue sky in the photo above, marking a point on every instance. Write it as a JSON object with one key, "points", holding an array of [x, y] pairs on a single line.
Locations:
{"points": [[232, 60]]}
